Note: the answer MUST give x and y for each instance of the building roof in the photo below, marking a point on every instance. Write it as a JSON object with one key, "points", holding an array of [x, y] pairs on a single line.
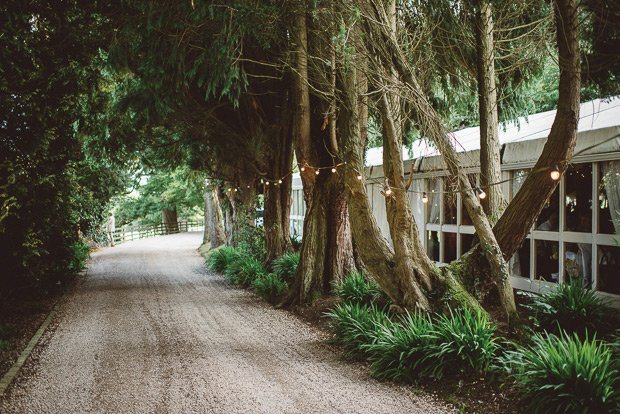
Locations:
{"points": [[599, 125]]}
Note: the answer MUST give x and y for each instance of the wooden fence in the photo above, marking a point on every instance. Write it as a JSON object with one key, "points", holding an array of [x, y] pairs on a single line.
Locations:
{"points": [[130, 233]]}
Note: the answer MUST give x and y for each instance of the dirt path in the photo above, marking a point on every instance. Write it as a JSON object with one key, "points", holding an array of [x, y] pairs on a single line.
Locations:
{"points": [[149, 330]]}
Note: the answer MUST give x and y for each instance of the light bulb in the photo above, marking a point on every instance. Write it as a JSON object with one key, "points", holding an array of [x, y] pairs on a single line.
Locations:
{"points": [[303, 169], [481, 193], [317, 172], [555, 173], [424, 197], [387, 190], [279, 181], [267, 182], [333, 169], [359, 177]]}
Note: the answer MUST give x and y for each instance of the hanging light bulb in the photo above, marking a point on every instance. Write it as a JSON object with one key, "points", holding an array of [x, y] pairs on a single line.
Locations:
{"points": [[279, 181], [317, 172], [424, 197], [235, 190], [333, 169], [303, 169], [387, 190], [267, 182], [481, 193], [555, 172], [359, 177]]}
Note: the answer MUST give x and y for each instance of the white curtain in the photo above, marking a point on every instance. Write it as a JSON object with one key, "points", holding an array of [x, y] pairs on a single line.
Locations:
{"points": [[434, 196], [611, 179]]}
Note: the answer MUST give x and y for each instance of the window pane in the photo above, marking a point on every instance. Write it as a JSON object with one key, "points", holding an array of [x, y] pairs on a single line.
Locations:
{"points": [[548, 219], [578, 263], [518, 178], [609, 269], [609, 197], [578, 203], [434, 195], [547, 260], [432, 245], [520, 262], [449, 247], [450, 202], [465, 219], [466, 242]]}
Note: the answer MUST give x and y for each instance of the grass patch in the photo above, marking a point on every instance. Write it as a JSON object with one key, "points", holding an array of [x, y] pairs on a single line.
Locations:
{"points": [[269, 285], [355, 288], [285, 266]]}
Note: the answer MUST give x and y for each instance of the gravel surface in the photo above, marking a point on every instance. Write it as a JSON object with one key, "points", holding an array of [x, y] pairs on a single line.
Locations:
{"points": [[150, 330]]}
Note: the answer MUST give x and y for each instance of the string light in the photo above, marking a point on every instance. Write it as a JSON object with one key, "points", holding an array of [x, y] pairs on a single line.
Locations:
{"points": [[317, 172], [387, 190], [424, 197], [359, 177], [303, 169], [555, 172], [279, 181], [481, 193]]}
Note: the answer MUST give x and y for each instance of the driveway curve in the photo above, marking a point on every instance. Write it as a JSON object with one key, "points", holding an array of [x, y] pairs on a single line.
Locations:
{"points": [[150, 330]]}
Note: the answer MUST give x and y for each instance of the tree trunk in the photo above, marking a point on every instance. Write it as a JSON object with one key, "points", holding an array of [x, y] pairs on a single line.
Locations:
{"points": [[490, 166], [519, 217], [326, 251], [169, 220], [214, 219]]}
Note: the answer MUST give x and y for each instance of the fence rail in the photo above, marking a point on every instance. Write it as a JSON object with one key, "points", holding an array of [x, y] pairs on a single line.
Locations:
{"points": [[130, 233]]}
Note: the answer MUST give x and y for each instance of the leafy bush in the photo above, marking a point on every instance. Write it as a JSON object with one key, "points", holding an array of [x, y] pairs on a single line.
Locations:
{"points": [[269, 285], [356, 325], [354, 288], [243, 270], [463, 341], [6, 332], [570, 307], [399, 351], [221, 258], [566, 375], [285, 266]]}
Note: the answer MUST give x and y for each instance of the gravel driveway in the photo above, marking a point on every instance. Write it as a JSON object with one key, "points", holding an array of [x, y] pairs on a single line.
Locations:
{"points": [[150, 330]]}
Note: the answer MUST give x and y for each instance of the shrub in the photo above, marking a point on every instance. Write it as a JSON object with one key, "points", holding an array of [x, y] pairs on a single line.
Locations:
{"points": [[243, 270], [356, 325], [564, 374], [221, 257], [354, 288], [399, 351], [269, 285], [569, 307], [6, 332], [285, 266], [464, 341]]}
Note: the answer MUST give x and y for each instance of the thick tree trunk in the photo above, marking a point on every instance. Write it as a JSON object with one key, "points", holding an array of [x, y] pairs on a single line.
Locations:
{"points": [[386, 266], [490, 167], [278, 201], [326, 251], [169, 220], [214, 219]]}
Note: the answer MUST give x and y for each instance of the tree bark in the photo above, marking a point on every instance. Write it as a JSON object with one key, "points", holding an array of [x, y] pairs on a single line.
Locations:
{"points": [[214, 219], [169, 220], [326, 252], [519, 217], [490, 164]]}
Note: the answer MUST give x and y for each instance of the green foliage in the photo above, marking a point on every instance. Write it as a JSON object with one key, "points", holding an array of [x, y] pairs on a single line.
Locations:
{"points": [[569, 307], [243, 270], [567, 375], [356, 325], [285, 266], [269, 285], [462, 342], [354, 288], [249, 237], [222, 257], [180, 188], [400, 351], [6, 332]]}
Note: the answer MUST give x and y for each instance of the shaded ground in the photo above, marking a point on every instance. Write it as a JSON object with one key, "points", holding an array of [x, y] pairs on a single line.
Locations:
{"points": [[149, 330]]}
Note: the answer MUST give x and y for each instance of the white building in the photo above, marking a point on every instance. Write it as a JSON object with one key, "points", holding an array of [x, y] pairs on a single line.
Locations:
{"points": [[582, 217]]}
